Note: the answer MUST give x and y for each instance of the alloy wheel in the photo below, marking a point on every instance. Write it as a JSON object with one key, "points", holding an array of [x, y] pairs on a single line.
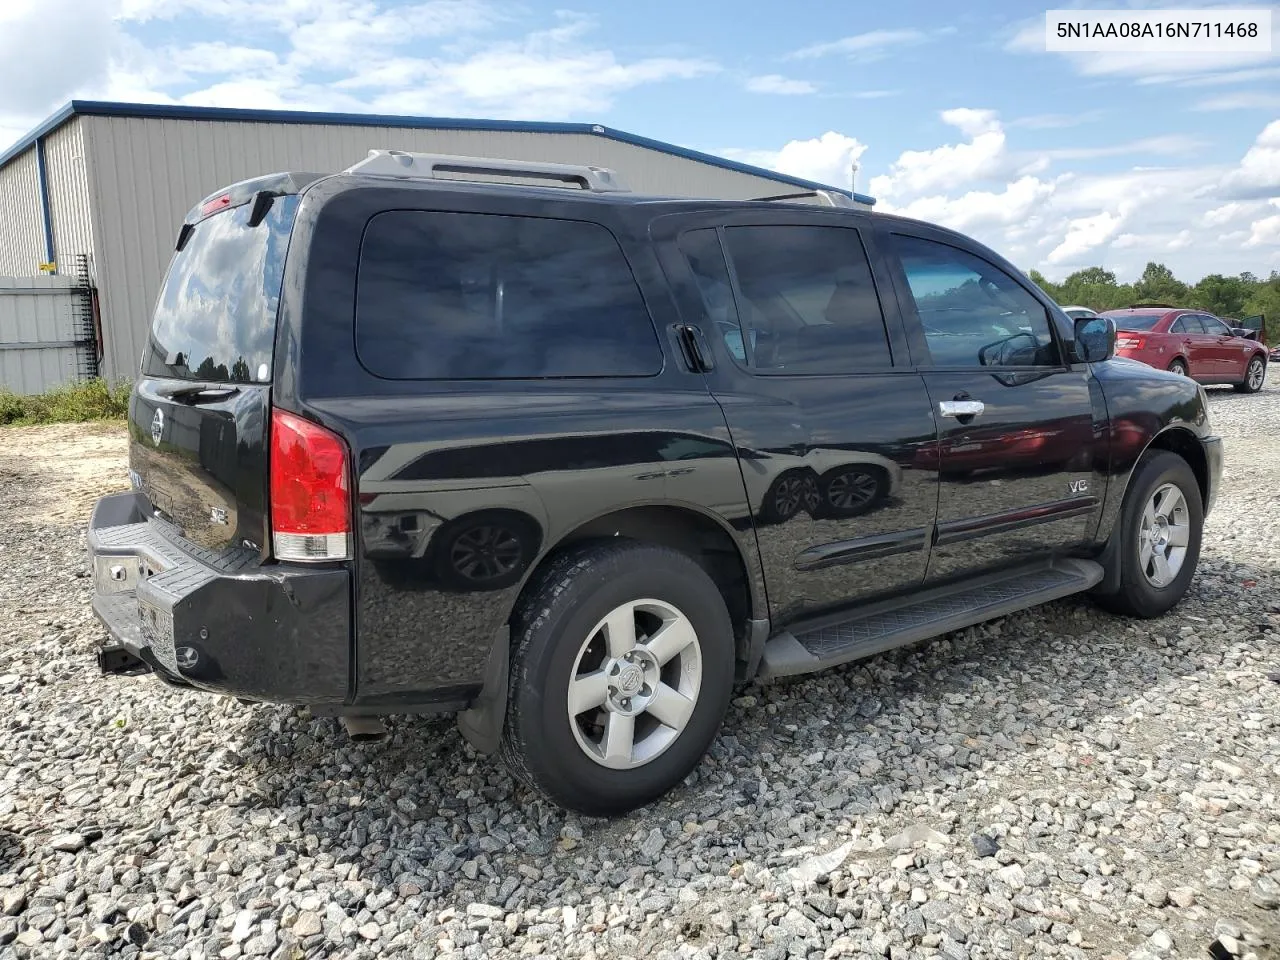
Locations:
{"points": [[635, 684], [1257, 371], [1163, 535]]}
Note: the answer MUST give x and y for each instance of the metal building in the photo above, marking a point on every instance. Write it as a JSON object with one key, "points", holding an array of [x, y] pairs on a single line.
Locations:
{"points": [[111, 182]]}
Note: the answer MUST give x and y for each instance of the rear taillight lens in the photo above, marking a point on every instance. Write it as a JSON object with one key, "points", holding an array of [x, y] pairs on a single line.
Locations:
{"points": [[1129, 343], [310, 491]]}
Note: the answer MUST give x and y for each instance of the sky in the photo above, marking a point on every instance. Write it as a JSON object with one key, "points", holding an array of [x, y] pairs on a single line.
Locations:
{"points": [[954, 114]]}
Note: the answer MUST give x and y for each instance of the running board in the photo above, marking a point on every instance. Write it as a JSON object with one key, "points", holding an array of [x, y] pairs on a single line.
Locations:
{"points": [[894, 623]]}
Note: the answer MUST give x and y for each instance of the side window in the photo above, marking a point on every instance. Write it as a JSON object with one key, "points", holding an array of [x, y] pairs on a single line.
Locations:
{"points": [[702, 251], [1191, 323], [806, 301], [1214, 327], [974, 314], [476, 296], [1179, 326]]}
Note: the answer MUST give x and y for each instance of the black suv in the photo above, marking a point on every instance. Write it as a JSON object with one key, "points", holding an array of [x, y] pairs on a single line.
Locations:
{"points": [[569, 461]]}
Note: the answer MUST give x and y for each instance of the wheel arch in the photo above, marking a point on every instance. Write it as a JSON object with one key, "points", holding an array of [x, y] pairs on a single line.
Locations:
{"points": [[699, 534], [1174, 438]]}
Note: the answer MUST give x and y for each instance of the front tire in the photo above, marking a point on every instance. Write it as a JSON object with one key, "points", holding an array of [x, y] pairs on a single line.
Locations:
{"points": [[621, 671], [1254, 376], [1160, 531]]}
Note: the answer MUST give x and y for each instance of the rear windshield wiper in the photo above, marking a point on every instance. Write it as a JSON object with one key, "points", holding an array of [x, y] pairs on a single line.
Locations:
{"points": [[199, 392]]}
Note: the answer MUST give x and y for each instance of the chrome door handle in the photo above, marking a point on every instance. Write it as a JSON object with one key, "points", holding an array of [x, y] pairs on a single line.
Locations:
{"points": [[961, 408]]}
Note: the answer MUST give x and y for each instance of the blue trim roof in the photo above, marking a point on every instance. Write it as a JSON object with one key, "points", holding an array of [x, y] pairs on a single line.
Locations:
{"points": [[97, 108]]}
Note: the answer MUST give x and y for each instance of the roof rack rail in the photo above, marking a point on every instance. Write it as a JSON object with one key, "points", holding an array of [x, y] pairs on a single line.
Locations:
{"points": [[439, 166], [826, 198]]}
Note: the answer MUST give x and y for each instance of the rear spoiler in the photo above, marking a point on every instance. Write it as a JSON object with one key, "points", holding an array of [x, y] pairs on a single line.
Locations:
{"points": [[259, 190]]}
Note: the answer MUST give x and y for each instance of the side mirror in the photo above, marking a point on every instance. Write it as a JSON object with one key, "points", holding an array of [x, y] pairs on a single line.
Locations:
{"points": [[1095, 339]]}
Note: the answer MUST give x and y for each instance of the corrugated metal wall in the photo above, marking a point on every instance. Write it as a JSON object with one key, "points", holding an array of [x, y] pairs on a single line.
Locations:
{"points": [[21, 225], [66, 167], [38, 325], [145, 174]]}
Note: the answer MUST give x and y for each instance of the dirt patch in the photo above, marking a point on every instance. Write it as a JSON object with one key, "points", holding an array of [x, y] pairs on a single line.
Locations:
{"points": [[58, 471]]}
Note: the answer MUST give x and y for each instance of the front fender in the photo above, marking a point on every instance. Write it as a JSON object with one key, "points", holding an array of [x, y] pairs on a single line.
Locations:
{"points": [[1145, 408]]}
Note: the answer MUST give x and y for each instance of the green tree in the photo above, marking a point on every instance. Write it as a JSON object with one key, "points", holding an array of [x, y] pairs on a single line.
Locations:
{"points": [[1221, 296], [1052, 289], [1265, 299], [1096, 288], [1158, 285]]}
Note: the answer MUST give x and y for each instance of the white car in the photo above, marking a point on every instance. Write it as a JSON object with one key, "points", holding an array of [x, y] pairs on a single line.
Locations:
{"points": [[1076, 313]]}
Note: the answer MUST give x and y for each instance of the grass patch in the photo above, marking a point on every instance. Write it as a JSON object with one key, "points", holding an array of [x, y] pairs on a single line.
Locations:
{"points": [[72, 403]]}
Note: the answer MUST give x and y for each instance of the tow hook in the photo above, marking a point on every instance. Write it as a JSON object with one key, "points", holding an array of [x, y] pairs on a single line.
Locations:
{"points": [[118, 661]]}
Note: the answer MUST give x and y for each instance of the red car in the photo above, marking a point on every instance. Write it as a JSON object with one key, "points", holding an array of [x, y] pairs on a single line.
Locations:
{"points": [[1192, 343]]}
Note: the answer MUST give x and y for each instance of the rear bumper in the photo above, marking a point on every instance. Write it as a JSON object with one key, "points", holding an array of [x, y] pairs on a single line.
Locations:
{"points": [[278, 633], [1212, 447]]}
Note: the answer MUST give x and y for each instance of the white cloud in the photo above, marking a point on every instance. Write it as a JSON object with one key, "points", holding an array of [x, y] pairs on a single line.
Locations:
{"points": [[1244, 100], [49, 50], [826, 159], [1056, 121], [546, 75], [984, 156], [776, 83], [872, 45], [1228, 213], [1259, 172], [982, 209], [1231, 76], [1083, 235], [1264, 232], [1171, 145]]}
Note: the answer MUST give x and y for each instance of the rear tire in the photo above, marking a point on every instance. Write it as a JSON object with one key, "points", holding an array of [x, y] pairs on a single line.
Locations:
{"points": [[1179, 367], [1160, 530], [603, 729], [1254, 376]]}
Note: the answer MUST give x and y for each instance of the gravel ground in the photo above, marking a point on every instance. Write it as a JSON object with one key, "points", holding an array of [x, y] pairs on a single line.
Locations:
{"points": [[1054, 783]]}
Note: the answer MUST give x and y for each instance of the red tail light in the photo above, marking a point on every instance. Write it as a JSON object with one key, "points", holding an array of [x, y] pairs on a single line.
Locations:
{"points": [[310, 491], [1129, 342]]}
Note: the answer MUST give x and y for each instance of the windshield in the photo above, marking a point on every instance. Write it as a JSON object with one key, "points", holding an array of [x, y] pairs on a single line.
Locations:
{"points": [[1135, 321], [216, 316]]}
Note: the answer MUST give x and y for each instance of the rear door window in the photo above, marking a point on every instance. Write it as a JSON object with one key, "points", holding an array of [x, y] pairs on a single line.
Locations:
{"points": [[216, 316], [444, 296], [805, 304], [1191, 323]]}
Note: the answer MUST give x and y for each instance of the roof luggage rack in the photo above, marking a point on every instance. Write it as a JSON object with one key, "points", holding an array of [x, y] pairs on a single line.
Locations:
{"points": [[826, 198], [439, 166]]}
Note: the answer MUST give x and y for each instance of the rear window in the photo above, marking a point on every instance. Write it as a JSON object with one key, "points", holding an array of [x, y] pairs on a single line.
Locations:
{"points": [[1135, 321], [476, 296], [216, 316]]}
